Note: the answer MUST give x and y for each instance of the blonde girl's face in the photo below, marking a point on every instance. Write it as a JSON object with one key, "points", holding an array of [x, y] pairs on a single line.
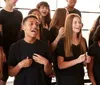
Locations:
{"points": [[76, 25], [44, 10]]}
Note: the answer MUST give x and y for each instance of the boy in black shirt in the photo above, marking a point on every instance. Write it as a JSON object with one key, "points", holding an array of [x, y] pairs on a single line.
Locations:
{"points": [[10, 25], [29, 57]]}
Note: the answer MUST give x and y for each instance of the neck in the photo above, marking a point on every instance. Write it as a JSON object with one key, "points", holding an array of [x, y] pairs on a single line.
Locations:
{"points": [[29, 40], [74, 35], [8, 8], [75, 39], [70, 8]]}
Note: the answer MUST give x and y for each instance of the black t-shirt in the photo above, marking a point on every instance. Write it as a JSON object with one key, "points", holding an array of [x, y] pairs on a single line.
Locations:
{"points": [[75, 11], [94, 51], [33, 75], [76, 70], [53, 33], [11, 25]]}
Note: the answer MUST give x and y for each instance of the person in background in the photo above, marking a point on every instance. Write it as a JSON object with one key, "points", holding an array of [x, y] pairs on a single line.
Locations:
{"points": [[94, 27], [94, 53], [10, 25], [43, 33], [29, 58], [56, 33], [44, 9], [2, 60], [71, 53], [71, 7], [57, 28]]}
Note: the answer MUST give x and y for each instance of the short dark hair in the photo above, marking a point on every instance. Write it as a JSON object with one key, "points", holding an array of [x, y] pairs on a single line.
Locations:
{"points": [[32, 10], [27, 17], [42, 3], [96, 35]]}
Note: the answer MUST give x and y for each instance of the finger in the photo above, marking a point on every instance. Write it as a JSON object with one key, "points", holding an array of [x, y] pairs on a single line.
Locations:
{"points": [[27, 57], [36, 54]]}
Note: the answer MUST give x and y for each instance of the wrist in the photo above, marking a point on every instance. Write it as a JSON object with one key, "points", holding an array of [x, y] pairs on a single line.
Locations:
{"points": [[46, 63], [20, 65]]}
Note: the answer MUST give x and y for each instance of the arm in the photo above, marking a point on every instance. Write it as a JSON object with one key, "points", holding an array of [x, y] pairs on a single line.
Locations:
{"points": [[66, 64], [55, 42], [90, 71], [1, 36], [13, 71], [48, 68]]}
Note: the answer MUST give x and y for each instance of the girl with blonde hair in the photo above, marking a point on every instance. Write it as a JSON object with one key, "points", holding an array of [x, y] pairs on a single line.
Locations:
{"points": [[70, 53]]}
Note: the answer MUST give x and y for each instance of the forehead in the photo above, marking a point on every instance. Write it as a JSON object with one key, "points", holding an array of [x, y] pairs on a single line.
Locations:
{"points": [[31, 19], [76, 18], [42, 6], [71, 0]]}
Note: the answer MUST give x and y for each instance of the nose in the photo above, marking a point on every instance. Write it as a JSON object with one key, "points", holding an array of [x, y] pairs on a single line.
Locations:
{"points": [[34, 26]]}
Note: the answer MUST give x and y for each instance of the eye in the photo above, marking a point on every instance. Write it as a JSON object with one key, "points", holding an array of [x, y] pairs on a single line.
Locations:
{"points": [[31, 23], [37, 23]]}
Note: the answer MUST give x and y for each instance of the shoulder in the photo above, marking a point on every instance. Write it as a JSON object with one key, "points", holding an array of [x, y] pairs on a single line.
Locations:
{"points": [[93, 46], [41, 43], [17, 12], [16, 44], [2, 12], [77, 11], [53, 29]]}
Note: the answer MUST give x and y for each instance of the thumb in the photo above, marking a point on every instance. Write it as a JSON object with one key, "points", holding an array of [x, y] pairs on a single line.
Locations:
{"points": [[27, 58]]}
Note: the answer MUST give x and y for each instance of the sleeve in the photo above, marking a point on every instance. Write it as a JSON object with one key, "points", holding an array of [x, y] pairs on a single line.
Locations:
{"points": [[90, 51], [1, 18], [21, 34], [48, 54], [86, 44], [1, 39], [60, 48], [90, 39], [19, 15], [12, 58], [52, 34]]}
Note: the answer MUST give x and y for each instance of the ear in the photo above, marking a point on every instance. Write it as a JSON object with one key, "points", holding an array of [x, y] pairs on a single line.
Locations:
{"points": [[23, 27], [82, 24]]}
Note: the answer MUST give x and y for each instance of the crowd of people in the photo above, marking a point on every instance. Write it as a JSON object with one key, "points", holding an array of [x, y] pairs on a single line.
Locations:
{"points": [[36, 48]]}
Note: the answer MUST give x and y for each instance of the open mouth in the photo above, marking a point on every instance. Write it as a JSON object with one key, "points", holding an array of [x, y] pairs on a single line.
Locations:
{"points": [[44, 13], [34, 31]]}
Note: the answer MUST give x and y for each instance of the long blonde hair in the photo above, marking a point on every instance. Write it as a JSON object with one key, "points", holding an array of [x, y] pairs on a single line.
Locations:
{"points": [[69, 34]]}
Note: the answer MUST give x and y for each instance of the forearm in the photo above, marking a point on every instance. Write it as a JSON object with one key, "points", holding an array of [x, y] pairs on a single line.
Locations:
{"points": [[13, 71], [67, 64], [91, 76], [48, 68], [55, 42]]}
